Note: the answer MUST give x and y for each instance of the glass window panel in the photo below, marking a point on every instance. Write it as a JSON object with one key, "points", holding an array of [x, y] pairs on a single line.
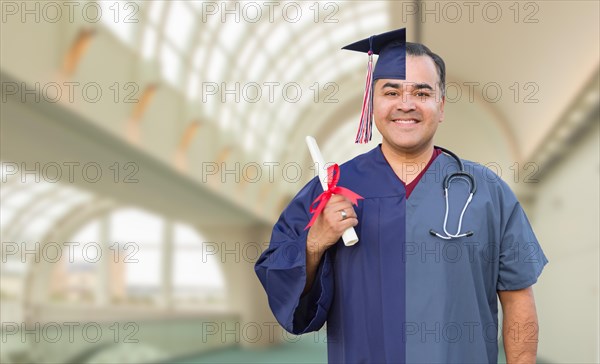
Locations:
{"points": [[135, 225], [36, 226], [216, 66], [225, 120], [120, 17], [199, 56], [170, 65], [87, 233], [149, 45], [6, 216], [268, 155], [156, 11], [230, 34], [146, 272], [38, 188], [248, 51], [257, 66], [196, 4], [20, 197], [379, 18], [193, 86], [193, 269], [179, 24], [278, 41], [249, 141], [14, 265], [254, 120], [185, 234]]}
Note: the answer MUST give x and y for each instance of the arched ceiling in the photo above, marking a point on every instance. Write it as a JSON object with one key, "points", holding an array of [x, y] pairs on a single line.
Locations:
{"points": [[268, 61], [514, 49]]}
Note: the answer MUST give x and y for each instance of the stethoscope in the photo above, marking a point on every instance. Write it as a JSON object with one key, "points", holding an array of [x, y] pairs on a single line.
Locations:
{"points": [[462, 174]]}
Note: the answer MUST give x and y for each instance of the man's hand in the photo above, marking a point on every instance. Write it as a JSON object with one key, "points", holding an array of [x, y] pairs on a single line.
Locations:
{"points": [[329, 226], [519, 326], [325, 232]]}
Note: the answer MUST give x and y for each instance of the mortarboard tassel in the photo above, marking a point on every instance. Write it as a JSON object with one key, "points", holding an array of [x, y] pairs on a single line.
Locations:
{"points": [[391, 63], [366, 116]]}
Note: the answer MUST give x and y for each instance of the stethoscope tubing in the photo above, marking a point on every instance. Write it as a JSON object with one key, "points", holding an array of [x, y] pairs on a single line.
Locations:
{"points": [[462, 174]]}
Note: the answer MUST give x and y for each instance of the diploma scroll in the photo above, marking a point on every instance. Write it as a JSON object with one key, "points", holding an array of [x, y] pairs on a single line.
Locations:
{"points": [[349, 236]]}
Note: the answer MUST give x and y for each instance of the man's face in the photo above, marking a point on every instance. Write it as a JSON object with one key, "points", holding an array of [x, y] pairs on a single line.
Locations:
{"points": [[407, 112]]}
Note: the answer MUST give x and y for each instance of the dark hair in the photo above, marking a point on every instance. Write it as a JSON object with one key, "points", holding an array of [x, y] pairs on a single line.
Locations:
{"points": [[418, 49]]}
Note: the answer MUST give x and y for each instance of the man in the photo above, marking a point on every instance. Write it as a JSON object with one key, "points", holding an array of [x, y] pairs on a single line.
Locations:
{"points": [[405, 292]]}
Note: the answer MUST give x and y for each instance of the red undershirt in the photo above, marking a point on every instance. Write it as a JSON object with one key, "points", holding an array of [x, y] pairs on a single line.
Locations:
{"points": [[411, 186]]}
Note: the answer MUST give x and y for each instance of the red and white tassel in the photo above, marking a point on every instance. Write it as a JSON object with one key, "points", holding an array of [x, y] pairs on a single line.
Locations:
{"points": [[366, 116]]}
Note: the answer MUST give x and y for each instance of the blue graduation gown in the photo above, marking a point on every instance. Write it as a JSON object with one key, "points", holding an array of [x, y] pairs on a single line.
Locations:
{"points": [[401, 295]]}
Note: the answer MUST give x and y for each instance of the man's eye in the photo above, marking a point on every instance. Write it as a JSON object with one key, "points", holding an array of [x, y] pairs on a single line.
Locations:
{"points": [[392, 93], [422, 94]]}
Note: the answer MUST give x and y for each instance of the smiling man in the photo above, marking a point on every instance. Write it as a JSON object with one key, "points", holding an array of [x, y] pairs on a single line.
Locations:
{"points": [[406, 293], [407, 114]]}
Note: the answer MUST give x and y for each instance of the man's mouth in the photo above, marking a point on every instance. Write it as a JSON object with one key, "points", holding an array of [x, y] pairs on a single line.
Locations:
{"points": [[405, 121]]}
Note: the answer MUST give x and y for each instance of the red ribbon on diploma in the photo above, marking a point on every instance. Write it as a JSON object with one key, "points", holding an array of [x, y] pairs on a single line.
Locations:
{"points": [[333, 176]]}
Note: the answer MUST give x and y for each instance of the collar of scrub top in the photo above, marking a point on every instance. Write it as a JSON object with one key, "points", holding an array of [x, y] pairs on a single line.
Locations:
{"points": [[391, 64]]}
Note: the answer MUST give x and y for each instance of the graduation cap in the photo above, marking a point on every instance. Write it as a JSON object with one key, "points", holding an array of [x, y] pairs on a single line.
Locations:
{"points": [[391, 48]]}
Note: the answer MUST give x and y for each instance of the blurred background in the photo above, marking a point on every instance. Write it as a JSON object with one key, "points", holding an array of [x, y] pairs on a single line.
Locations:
{"points": [[148, 148]]}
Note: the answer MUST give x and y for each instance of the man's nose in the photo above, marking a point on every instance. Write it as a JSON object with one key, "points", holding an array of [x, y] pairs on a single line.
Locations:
{"points": [[406, 103]]}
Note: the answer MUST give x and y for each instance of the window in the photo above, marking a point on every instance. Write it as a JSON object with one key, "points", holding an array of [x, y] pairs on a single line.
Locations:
{"points": [[196, 274]]}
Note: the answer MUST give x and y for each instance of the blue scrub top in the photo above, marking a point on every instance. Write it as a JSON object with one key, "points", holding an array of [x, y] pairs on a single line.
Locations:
{"points": [[401, 295]]}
